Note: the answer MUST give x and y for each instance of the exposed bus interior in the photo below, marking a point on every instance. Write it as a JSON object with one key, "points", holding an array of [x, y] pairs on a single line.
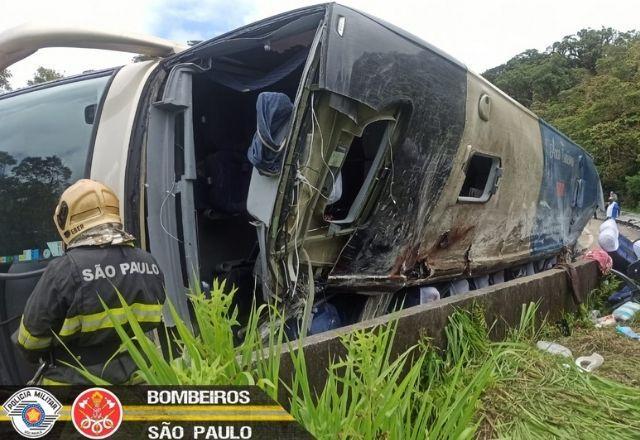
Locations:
{"points": [[224, 124]]}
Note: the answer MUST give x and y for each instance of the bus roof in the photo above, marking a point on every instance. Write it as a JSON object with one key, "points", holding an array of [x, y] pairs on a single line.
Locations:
{"points": [[21, 41]]}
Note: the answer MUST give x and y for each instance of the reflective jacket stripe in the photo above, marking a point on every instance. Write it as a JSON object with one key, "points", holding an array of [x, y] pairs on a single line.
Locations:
{"points": [[30, 342], [100, 321]]}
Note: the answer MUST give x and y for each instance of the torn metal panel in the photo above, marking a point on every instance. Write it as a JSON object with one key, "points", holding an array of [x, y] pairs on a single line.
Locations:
{"points": [[377, 67], [237, 40]]}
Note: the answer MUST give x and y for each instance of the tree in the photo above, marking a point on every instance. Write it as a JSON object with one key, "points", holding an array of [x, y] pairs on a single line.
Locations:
{"points": [[533, 76], [586, 47], [588, 86], [516, 75], [6, 160], [28, 195], [5, 85], [633, 187], [49, 171], [43, 75]]}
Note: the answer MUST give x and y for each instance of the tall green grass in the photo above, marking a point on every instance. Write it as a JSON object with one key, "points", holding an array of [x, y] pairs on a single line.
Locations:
{"points": [[473, 388], [537, 395], [210, 355], [369, 392]]}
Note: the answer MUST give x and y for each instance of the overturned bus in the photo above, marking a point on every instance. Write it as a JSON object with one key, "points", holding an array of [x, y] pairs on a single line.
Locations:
{"points": [[322, 160]]}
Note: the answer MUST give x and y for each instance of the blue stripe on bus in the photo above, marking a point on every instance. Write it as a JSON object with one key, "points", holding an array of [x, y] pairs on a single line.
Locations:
{"points": [[569, 192]]}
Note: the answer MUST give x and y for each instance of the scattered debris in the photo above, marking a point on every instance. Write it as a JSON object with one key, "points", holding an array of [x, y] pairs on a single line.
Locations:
{"points": [[606, 321], [594, 315], [626, 311], [553, 348], [589, 363], [604, 260], [628, 332]]}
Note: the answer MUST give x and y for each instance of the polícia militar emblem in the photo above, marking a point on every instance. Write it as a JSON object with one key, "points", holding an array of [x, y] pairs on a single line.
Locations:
{"points": [[33, 411], [96, 413]]}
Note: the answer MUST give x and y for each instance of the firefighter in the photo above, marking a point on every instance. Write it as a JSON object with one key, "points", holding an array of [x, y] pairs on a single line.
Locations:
{"points": [[65, 307]]}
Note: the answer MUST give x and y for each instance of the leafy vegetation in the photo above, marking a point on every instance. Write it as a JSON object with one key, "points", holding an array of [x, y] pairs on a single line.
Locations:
{"points": [[44, 74], [5, 85], [210, 355], [588, 86], [41, 75], [473, 388], [30, 185], [597, 298]]}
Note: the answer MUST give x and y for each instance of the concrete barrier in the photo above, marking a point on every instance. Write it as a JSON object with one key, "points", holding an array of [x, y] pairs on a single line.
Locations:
{"points": [[502, 303]]}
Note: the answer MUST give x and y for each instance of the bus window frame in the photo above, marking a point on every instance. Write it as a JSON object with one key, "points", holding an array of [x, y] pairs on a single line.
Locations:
{"points": [[111, 72]]}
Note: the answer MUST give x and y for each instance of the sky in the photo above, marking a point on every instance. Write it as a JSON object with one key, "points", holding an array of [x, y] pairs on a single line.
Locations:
{"points": [[480, 33]]}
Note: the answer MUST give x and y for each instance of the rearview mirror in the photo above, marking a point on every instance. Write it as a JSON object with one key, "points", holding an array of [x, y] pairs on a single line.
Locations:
{"points": [[90, 114]]}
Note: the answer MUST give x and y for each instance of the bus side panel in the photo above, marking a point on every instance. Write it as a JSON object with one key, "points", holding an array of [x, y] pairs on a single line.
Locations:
{"points": [[373, 65], [478, 237], [570, 192]]}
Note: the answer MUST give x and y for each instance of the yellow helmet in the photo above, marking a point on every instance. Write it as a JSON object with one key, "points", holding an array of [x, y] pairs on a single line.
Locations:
{"points": [[84, 205]]}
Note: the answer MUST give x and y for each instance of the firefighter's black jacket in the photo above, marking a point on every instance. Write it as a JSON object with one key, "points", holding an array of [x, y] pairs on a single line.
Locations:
{"points": [[66, 301]]}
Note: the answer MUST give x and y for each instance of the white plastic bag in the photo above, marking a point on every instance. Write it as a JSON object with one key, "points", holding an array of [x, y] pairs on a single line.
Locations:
{"points": [[589, 363], [553, 348]]}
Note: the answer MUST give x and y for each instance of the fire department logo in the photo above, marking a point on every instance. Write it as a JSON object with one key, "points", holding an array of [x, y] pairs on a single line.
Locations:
{"points": [[33, 411], [96, 413]]}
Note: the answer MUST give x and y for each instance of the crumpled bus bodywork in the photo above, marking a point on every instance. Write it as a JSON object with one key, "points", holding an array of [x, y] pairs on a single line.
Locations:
{"points": [[399, 168], [413, 216]]}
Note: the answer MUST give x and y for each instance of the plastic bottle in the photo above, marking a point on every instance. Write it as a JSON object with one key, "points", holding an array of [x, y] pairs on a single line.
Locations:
{"points": [[553, 348]]}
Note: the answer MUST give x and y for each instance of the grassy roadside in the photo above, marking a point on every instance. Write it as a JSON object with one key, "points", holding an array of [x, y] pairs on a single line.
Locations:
{"points": [[621, 355], [475, 388], [537, 395]]}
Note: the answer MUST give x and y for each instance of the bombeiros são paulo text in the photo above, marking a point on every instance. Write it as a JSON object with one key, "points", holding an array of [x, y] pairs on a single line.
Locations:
{"points": [[198, 397], [169, 431], [172, 431]]}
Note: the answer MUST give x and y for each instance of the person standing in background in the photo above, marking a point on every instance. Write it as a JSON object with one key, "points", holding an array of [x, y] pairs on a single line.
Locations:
{"points": [[613, 208]]}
